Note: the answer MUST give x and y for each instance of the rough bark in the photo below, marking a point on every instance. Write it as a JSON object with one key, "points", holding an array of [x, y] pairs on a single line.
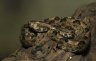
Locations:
{"points": [[85, 11], [89, 11]]}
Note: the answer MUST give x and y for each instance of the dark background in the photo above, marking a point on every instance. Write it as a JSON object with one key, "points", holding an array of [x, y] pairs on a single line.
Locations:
{"points": [[14, 13]]}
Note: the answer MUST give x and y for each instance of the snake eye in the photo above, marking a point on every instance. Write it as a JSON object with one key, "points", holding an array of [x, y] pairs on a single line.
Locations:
{"points": [[42, 29]]}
